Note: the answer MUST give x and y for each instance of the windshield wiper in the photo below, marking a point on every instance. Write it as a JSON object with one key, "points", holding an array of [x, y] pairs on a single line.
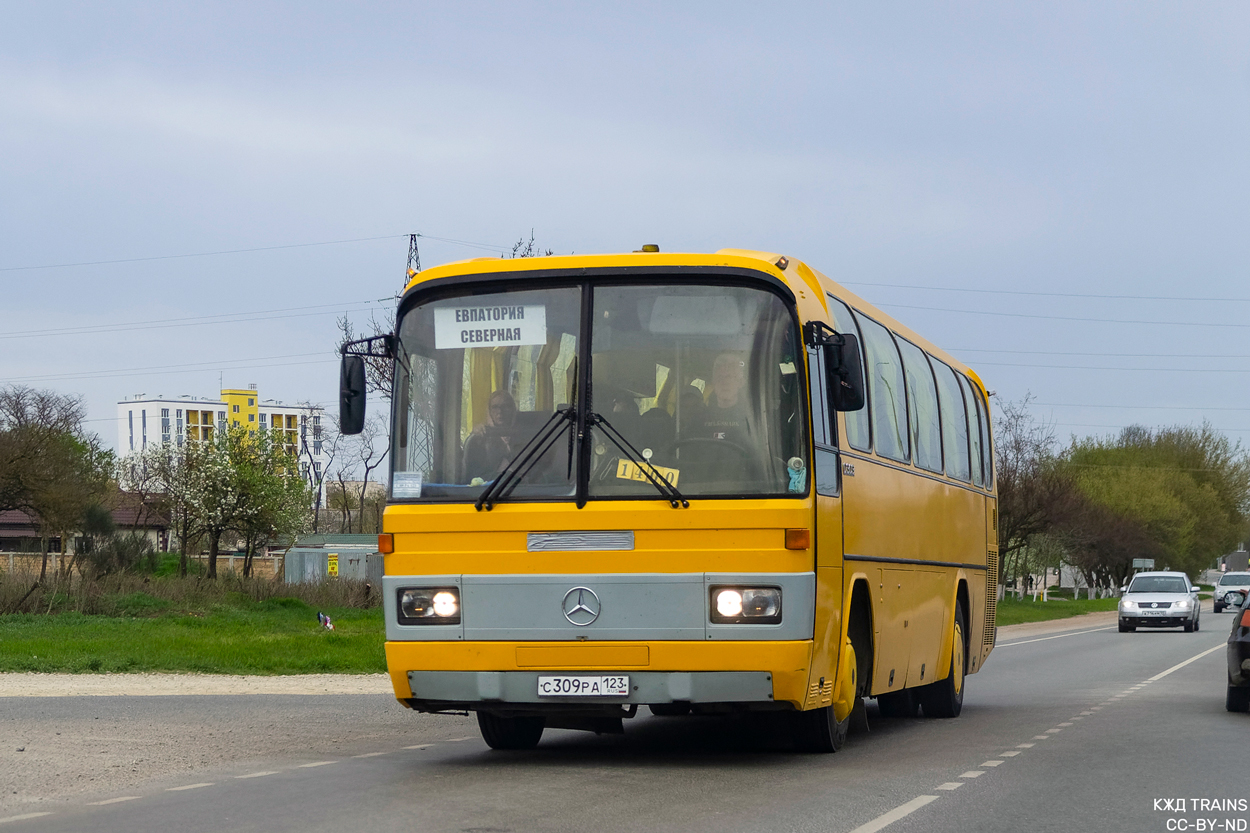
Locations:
{"points": [[520, 465], [668, 490]]}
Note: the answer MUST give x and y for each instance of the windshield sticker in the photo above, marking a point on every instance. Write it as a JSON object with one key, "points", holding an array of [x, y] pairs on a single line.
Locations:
{"points": [[406, 484], [629, 470], [490, 326]]}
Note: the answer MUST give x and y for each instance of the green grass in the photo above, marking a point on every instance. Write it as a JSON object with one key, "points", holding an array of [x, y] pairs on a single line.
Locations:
{"points": [[1014, 612], [237, 636]]}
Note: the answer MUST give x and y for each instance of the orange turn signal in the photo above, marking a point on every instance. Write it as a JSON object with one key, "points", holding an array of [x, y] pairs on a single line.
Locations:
{"points": [[798, 539], [386, 542], [1245, 618]]}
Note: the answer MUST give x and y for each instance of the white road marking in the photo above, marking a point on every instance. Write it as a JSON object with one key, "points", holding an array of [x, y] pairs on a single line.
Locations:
{"points": [[457, 740], [1044, 638], [901, 811], [1012, 753], [1063, 724], [1093, 709], [25, 816], [1181, 665], [1025, 745], [369, 755], [992, 763], [1054, 731], [420, 746], [1087, 714], [973, 773], [1041, 737], [1078, 718], [258, 774], [950, 785], [317, 763], [188, 787], [118, 800]]}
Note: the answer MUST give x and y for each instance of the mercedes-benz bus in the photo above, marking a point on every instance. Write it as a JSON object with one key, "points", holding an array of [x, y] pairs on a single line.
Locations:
{"points": [[696, 483]]}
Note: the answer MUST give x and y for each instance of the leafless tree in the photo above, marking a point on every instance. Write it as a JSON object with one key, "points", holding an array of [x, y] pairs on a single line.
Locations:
{"points": [[1034, 491]]}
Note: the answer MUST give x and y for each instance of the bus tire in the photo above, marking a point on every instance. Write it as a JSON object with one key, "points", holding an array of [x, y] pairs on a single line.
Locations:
{"points": [[945, 698], [510, 732], [898, 703], [818, 730]]}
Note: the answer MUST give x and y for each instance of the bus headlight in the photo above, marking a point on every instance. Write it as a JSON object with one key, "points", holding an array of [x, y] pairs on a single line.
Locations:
{"points": [[429, 606], [746, 605]]}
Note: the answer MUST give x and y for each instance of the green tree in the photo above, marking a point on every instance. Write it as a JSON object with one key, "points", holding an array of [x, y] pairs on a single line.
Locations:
{"points": [[277, 502], [1186, 488], [50, 467]]}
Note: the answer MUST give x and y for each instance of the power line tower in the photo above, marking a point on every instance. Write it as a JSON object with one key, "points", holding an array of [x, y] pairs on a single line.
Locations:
{"points": [[414, 258]]}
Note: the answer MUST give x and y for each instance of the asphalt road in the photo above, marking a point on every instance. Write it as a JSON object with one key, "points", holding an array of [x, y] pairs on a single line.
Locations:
{"points": [[1079, 731]]}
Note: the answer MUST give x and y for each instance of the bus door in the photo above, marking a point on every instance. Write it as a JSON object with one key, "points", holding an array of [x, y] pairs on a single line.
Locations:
{"points": [[826, 486]]}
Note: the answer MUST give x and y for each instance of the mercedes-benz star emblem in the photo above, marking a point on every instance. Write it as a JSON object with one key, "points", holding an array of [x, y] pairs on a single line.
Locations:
{"points": [[581, 606]]}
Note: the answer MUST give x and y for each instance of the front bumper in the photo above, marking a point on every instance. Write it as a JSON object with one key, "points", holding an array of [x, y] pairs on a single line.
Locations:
{"points": [[467, 675], [1156, 621]]}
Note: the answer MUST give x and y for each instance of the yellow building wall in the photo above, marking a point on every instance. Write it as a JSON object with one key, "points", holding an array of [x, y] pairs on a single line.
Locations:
{"points": [[242, 407]]}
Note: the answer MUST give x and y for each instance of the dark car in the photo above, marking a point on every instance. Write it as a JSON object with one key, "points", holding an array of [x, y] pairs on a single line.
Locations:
{"points": [[1238, 699]]}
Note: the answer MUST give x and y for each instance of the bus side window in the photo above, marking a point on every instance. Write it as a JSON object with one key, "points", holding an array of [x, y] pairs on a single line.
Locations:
{"points": [[986, 448], [954, 421], [886, 392], [922, 404], [858, 434], [974, 432]]}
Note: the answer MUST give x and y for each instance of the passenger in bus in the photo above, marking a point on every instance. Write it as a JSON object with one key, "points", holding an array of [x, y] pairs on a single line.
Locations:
{"points": [[493, 443], [724, 415]]}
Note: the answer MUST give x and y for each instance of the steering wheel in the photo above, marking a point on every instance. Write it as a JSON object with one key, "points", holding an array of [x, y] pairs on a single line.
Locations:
{"points": [[744, 456]]}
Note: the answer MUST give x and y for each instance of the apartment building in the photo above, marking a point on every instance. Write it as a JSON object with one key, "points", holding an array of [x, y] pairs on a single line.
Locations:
{"points": [[144, 421]]}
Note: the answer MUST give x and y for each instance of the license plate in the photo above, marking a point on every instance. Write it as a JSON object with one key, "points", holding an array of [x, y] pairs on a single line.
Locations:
{"points": [[596, 686], [1155, 612]]}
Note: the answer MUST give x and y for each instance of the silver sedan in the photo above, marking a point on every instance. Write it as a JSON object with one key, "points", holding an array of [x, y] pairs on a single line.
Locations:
{"points": [[1159, 600]]}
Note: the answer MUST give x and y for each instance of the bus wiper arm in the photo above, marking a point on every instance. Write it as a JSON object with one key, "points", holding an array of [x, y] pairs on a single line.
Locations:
{"points": [[668, 490], [520, 465]]}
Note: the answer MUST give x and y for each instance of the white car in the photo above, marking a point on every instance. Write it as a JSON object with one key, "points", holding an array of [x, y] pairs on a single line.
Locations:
{"points": [[1159, 600], [1227, 584]]}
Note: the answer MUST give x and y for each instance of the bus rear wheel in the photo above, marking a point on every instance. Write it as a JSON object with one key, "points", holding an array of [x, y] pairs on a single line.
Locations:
{"points": [[510, 732], [945, 698]]}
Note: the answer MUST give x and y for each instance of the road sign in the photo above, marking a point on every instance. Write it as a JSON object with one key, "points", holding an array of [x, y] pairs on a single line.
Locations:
{"points": [[332, 565], [1138, 564]]}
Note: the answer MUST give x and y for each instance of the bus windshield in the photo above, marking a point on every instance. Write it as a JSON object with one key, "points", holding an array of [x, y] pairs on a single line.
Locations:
{"points": [[698, 384]]}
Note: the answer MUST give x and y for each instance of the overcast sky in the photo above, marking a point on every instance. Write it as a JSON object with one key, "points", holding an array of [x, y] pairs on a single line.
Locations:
{"points": [[1055, 192]]}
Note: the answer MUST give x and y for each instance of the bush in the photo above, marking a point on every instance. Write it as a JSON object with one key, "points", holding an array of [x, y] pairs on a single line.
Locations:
{"points": [[132, 594], [122, 553]]}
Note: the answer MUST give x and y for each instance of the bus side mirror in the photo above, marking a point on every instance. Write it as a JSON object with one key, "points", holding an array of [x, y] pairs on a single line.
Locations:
{"points": [[845, 374], [352, 395]]}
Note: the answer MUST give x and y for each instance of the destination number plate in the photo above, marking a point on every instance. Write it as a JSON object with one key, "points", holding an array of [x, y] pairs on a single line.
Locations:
{"points": [[605, 686]]}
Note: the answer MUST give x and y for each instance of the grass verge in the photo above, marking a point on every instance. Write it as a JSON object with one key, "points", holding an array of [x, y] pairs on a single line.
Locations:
{"points": [[1015, 612], [228, 626], [253, 638]]}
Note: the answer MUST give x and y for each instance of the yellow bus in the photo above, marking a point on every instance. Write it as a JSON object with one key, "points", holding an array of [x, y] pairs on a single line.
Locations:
{"points": [[665, 480]]}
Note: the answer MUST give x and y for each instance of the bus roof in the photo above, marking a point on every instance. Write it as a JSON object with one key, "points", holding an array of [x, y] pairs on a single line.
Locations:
{"points": [[789, 271]]}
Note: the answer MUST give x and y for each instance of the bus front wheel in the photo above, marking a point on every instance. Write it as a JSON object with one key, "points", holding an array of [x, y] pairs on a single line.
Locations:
{"points": [[510, 732], [818, 730], [945, 698]]}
